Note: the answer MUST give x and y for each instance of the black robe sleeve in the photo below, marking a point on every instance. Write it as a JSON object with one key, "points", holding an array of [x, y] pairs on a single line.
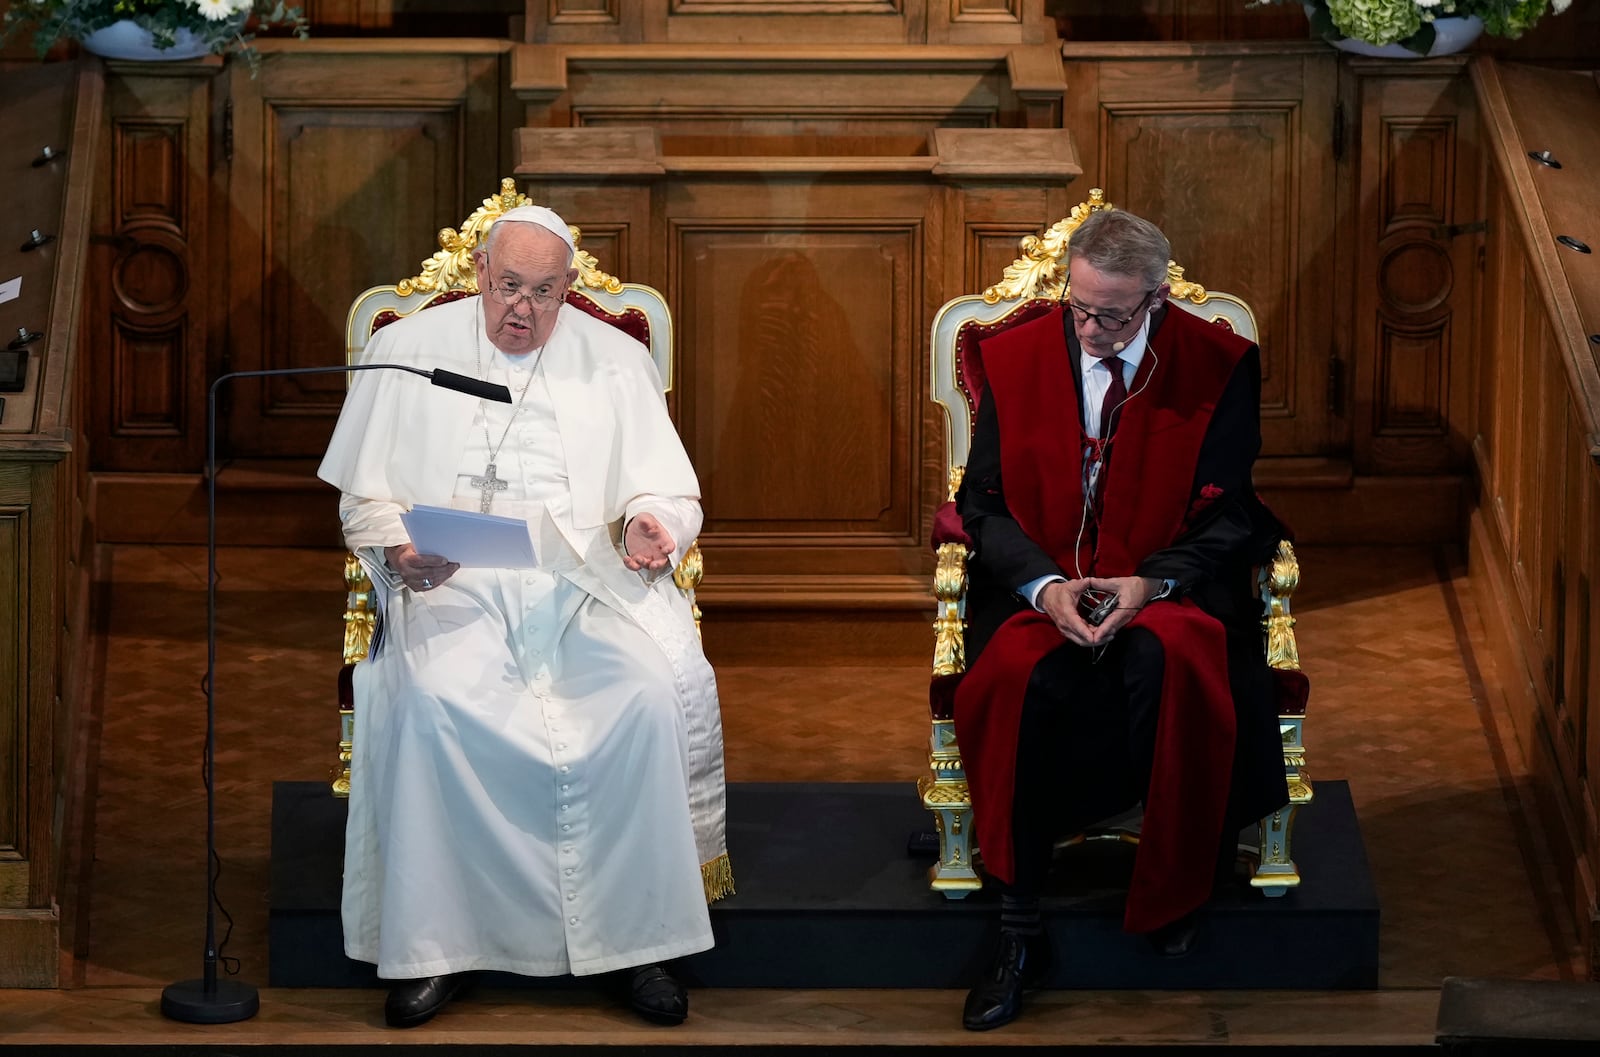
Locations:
{"points": [[1000, 546], [1213, 557]]}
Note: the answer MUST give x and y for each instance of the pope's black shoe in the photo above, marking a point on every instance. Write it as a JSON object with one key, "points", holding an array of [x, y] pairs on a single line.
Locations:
{"points": [[655, 995], [413, 1002], [1019, 963]]}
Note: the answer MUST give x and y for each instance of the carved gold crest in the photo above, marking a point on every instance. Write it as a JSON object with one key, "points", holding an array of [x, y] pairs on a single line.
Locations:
{"points": [[451, 267]]}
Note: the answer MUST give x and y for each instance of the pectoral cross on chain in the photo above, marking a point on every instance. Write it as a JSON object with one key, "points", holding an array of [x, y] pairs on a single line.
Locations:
{"points": [[487, 486]]}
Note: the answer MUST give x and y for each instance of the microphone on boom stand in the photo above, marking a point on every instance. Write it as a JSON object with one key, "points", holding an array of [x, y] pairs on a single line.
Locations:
{"points": [[208, 1000]]}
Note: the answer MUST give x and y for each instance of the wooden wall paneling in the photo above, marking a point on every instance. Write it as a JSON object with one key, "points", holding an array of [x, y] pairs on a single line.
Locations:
{"points": [[988, 21], [423, 18], [347, 161], [786, 100], [1509, 425], [585, 21], [605, 182], [60, 105], [1485, 434], [1537, 449], [337, 15], [44, 622], [1531, 461], [722, 21], [1512, 404], [1101, 20], [1548, 524], [796, 21], [1586, 679], [1414, 307], [13, 696], [794, 309], [152, 252], [788, 21], [1571, 608], [1152, 123]]}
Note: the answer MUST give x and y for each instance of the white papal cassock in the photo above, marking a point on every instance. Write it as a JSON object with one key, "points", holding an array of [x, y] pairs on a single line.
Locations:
{"points": [[537, 782]]}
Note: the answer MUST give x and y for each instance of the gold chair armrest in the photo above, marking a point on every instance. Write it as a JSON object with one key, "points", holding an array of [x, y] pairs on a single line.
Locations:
{"points": [[1276, 871], [949, 588], [943, 790], [1278, 581], [360, 612], [688, 575]]}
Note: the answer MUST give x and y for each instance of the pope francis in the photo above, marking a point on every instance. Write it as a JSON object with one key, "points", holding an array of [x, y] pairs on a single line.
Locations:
{"points": [[537, 785]]}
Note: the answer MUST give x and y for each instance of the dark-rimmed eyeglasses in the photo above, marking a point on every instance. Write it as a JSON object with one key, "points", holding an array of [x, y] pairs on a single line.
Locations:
{"points": [[1108, 322]]}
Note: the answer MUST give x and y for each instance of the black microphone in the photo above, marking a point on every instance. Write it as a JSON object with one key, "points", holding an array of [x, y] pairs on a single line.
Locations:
{"points": [[462, 383], [208, 999]]}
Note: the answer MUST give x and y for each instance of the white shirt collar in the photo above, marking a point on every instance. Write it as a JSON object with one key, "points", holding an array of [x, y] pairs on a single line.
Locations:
{"points": [[1132, 356]]}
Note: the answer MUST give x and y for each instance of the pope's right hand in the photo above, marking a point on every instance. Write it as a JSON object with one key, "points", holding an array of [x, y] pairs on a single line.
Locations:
{"points": [[421, 572]]}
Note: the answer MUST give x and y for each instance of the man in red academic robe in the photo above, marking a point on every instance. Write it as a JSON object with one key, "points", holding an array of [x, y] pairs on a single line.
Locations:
{"points": [[1117, 649]]}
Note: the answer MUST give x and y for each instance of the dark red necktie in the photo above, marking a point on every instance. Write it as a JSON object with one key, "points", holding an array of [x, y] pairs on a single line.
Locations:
{"points": [[1115, 395]]}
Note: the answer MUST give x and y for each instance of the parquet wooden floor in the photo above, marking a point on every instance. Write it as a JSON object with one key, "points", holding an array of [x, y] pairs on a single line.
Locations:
{"points": [[1400, 709]]}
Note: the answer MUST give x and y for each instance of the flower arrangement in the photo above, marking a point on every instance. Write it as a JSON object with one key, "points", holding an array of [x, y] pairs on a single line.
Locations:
{"points": [[217, 24], [1409, 23]]}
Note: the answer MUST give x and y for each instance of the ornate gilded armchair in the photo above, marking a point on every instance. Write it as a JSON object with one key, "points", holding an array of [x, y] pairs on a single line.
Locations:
{"points": [[1030, 286], [639, 311]]}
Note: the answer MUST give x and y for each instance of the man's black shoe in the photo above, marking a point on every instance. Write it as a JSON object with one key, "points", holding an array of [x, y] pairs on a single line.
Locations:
{"points": [[413, 1002], [1019, 963], [656, 996], [1176, 938]]}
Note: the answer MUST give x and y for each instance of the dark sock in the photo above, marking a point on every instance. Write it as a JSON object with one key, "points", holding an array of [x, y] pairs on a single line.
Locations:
{"points": [[1020, 914]]}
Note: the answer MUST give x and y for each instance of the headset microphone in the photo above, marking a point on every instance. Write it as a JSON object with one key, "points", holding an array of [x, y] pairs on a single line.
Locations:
{"points": [[1118, 346]]}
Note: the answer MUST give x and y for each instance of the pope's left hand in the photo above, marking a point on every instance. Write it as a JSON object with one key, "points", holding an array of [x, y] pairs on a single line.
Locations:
{"points": [[648, 544]]}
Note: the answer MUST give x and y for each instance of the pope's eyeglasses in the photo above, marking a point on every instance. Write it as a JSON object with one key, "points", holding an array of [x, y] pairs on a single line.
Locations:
{"points": [[509, 292]]}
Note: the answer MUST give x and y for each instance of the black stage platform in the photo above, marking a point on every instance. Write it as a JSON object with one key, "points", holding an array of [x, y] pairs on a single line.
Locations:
{"points": [[830, 897]]}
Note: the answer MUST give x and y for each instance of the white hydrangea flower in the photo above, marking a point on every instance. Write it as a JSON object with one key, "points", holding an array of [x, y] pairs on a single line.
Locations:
{"points": [[1429, 3], [1561, 5]]}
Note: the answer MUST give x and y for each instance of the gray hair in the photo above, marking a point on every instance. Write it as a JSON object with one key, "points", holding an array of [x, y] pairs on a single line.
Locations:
{"points": [[1119, 243]]}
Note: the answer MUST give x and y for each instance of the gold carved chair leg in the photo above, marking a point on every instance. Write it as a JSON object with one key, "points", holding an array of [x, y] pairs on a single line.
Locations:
{"points": [[944, 792], [1275, 871]]}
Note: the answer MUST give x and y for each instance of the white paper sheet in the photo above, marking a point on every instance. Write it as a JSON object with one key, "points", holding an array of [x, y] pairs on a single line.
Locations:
{"points": [[471, 539]]}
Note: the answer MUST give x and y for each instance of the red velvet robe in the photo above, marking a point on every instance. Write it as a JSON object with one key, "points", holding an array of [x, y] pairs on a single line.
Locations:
{"points": [[1149, 490]]}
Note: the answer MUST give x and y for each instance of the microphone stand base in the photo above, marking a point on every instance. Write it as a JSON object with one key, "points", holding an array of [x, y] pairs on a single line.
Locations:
{"points": [[228, 1002]]}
